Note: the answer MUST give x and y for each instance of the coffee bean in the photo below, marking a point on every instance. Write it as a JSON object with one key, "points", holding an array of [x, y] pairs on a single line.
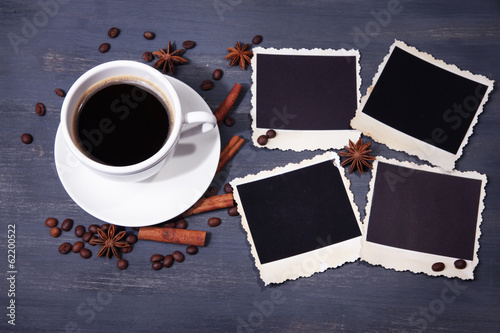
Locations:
{"points": [[60, 92], [78, 246], [192, 250], [26, 138], [262, 140], [79, 231], [157, 265], [214, 221], [178, 256], [189, 44], [233, 211], [122, 264], [211, 191], [85, 253], [67, 224], [51, 222], [149, 35], [168, 261], [156, 257], [93, 228], [87, 236], [113, 32], [170, 225], [229, 121], [206, 85], [127, 249], [437, 267], [148, 56], [40, 109], [131, 239], [55, 232], [64, 248], [104, 227], [217, 74], [228, 188], [257, 40], [271, 134], [104, 47], [182, 224], [460, 264]]}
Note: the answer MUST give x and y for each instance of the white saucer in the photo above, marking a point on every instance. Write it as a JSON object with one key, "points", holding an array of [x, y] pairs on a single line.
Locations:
{"points": [[176, 187]]}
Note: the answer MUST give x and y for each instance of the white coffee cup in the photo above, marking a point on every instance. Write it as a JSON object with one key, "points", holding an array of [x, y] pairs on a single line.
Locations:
{"points": [[163, 90]]}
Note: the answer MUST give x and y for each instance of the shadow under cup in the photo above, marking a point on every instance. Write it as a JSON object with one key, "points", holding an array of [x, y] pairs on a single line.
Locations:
{"points": [[124, 127]]}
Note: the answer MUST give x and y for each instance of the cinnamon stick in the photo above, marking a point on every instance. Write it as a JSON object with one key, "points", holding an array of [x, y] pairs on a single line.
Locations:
{"points": [[229, 151], [228, 146], [172, 235], [210, 204], [223, 109]]}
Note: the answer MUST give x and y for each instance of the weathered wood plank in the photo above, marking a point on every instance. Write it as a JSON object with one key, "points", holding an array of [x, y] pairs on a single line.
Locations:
{"points": [[219, 290]]}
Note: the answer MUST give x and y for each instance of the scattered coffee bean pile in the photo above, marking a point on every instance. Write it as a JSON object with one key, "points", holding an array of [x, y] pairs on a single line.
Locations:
{"points": [[439, 266], [86, 238], [87, 235], [263, 139], [159, 261], [40, 110]]}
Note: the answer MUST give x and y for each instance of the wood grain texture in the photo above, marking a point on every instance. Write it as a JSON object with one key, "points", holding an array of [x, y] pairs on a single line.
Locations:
{"points": [[48, 44]]}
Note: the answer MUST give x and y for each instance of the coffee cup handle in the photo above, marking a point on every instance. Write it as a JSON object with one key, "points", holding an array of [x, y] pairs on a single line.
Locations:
{"points": [[205, 120]]}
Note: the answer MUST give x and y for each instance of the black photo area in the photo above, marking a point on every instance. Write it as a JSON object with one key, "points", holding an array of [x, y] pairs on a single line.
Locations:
{"points": [[424, 211], [424, 101], [301, 92], [298, 211]]}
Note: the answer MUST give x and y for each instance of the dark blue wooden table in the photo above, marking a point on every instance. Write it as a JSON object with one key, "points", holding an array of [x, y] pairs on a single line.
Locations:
{"points": [[48, 44]]}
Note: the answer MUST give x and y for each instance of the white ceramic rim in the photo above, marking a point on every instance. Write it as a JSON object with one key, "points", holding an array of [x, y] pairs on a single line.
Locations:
{"points": [[97, 74]]}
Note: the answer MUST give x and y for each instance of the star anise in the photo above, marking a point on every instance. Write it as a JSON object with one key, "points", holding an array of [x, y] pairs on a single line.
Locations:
{"points": [[239, 55], [358, 155], [110, 242], [169, 58]]}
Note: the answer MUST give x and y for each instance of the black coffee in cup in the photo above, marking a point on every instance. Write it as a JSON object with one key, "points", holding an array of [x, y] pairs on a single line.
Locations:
{"points": [[122, 121]]}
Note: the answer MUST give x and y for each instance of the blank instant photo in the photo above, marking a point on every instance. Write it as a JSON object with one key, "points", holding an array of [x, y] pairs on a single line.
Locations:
{"points": [[422, 106], [307, 96], [300, 219], [419, 215]]}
